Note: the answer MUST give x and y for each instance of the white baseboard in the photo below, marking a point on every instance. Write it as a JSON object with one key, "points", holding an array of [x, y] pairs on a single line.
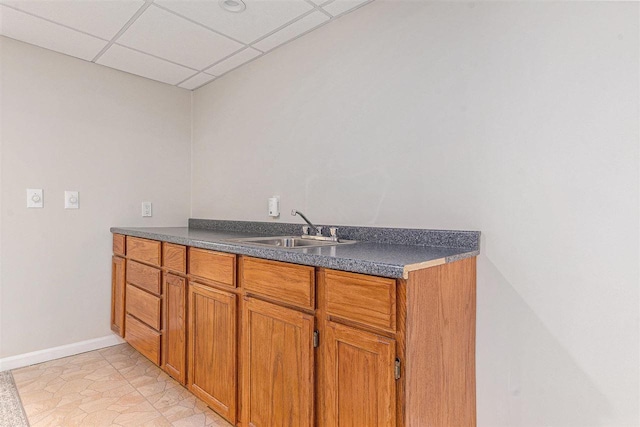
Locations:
{"points": [[27, 359]]}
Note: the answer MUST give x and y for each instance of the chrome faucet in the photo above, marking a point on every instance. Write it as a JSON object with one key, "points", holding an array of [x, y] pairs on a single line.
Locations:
{"points": [[305, 229], [318, 229]]}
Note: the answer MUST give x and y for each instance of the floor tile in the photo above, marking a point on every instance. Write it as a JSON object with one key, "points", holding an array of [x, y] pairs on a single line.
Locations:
{"points": [[115, 386]]}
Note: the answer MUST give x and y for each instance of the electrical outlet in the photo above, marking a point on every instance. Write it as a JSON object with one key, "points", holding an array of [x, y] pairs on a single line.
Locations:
{"points": [[146, 209], [274, 206]]}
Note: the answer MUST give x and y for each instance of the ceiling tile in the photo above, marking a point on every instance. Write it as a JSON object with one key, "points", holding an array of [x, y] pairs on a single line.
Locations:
{"points": [[29, 29], [338, 7], [320, 2], [297, 28], [234, 61], [196, 81], [143, 65], [97, 17], [260, 17], [168, 36]]}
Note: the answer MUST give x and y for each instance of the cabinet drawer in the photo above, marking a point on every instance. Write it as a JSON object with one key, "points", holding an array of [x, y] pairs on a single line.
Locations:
{"points": [[143, 250], [363, 299], [144, 306], [143, 338], [289, 283], [215, 266], [118, 244], [174, 257], [143, 276]]}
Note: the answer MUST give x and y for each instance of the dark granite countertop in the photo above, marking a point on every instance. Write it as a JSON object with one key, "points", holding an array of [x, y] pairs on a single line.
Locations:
{"points": [[387, 252]]}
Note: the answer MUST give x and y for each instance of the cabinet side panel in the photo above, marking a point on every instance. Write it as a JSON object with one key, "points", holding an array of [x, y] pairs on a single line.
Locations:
{"points": [[401, 310], [174, 325], [440, 348], [118, 244], [117, 294]]}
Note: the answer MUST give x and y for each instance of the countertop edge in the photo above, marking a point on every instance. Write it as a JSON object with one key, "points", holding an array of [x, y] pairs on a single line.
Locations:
{"points": [[435, 262], [315, 260]]}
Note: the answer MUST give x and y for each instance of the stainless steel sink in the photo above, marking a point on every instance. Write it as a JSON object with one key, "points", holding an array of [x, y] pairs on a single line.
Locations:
{"points": [[289, 242]]}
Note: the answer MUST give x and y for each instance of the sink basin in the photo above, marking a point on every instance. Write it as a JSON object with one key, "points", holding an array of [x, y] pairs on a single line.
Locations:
{"points": [[289, 242]]}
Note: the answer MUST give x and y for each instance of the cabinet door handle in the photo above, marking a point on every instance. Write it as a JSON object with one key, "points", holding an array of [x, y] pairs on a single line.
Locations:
{"points": [[316, 339]]}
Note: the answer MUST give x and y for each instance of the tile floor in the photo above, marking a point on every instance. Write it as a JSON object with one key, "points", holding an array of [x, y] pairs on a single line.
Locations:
{"points": [[115, 386]]}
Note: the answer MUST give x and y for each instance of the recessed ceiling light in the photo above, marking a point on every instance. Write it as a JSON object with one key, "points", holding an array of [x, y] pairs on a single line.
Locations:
{"points": [[235, 6]]}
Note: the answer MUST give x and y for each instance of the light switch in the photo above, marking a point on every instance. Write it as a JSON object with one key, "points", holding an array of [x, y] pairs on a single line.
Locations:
{"points": [[146, 209], [35, 198], [71, 200]]}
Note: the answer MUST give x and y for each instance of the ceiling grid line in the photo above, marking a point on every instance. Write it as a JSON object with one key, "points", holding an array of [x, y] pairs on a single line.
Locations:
{"points": [[155, 56], [349, 10], [319, 8], [204, 70], [282, 27], [279, 45], [124, 28], [186, 43], [199, 24], [52, 22], [192, 76], [251, 45]]}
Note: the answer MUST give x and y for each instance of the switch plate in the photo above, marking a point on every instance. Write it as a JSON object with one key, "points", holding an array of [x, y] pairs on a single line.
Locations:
{"points": [[35, 198], [274, 206], [146, 209], [71, 200]]}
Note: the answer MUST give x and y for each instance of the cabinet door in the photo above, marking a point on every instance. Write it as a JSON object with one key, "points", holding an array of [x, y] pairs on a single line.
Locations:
{"points": [[117, 294], [277, 363], [212, 348], [174, 325], [359, 382]]}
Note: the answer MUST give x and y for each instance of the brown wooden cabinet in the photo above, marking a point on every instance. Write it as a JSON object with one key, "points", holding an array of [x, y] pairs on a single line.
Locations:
{"points": [[285, 283], [143, 297], [143, 338], [117, 294], [278, 365], [175, 326], [361, 318], [174, 311], [212, 348], [359, 383], [240, 332]]}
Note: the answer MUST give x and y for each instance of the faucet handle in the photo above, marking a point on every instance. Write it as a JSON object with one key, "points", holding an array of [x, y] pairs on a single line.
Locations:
{"points": [[333, 231], [318, 230], [305, 230]]}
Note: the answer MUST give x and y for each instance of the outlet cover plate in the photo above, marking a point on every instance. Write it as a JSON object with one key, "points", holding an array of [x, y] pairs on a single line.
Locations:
{"points": [[147, 209]]}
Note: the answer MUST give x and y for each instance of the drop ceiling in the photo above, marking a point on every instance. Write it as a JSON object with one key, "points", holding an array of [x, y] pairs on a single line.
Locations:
{"points": [[186, 43]]}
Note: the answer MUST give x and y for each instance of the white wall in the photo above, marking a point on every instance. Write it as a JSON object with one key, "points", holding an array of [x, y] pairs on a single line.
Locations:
{"points": [[516, 119], [117, 139]]}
